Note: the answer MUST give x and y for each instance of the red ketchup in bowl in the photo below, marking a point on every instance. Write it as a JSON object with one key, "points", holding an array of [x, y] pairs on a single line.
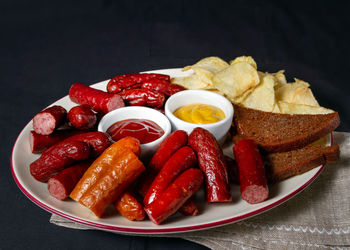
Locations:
{"points": [[144, 130]]}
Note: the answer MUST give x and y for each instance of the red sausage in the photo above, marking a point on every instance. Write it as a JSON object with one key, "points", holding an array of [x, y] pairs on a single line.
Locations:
{"points": [[38, 142], [143, 97], [98, 141], [98, 100], [118, 83], [162, 86], [61, 184], [212, 162], [82, 117], [168, 147], [251, 170], [58, 157], [189, 207], [175, 195], [129, 207], [46, 121], [181, 160]]}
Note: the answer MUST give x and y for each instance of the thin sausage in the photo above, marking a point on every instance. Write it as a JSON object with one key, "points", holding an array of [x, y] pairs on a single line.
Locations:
{"points": [[98, 100], [143, 97], [162, 86], [175, 195], [212, 162], [251, 170], [168, 147], [127, 81], [181, 160]]}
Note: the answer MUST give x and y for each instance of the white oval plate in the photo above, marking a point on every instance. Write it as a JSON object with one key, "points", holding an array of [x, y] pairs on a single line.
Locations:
{"points": [[211, 215]]}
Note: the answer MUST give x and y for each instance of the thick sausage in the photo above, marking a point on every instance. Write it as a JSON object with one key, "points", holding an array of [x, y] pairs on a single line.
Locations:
{"points": [[162, 86], [181, 160], [129, 207], [39, 143], [143, 97], [189, 207], [251, 170], [168, 147], [58, 157], [175, 195], [121, 82], [61, 184], [98, 141], [212, 162], [46, 121], [98, 100], [82, 117]]}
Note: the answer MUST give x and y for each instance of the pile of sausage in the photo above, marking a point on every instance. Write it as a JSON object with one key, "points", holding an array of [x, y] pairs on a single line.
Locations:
{"points": [[78, 162]]}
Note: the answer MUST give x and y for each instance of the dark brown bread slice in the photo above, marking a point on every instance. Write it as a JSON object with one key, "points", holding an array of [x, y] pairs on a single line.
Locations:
{"points": [[282, 132], [280, 166]]}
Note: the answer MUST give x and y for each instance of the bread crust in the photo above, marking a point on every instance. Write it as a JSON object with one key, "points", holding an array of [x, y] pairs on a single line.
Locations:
{"points": [[282, 132]]}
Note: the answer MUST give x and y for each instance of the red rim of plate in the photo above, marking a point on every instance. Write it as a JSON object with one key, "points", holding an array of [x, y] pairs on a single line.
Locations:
{"points": [[161, 230]]}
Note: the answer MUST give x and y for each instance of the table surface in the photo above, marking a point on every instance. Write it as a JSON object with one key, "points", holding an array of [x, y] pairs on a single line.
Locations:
{"points": [[46, 46]]}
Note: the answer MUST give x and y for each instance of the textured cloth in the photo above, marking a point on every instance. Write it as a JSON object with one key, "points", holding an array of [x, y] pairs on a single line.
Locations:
{"points": [[317, 218]]}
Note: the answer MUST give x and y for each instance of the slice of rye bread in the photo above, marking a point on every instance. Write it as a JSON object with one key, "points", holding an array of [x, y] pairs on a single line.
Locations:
{"points": [[282, 132], [280, 166]]}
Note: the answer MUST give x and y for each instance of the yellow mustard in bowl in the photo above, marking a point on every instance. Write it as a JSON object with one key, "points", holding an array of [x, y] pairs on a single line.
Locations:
{"points": [[199, 113]]}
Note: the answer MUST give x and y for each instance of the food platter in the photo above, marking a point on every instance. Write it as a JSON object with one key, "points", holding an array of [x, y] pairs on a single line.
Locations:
{"points": [[210, 215]]}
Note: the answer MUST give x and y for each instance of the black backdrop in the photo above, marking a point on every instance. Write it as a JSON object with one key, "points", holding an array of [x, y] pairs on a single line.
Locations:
{"points": [[46, 46]]}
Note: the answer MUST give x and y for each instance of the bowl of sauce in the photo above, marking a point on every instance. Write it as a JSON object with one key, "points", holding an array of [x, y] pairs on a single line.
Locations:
{"points": [[149, 126], [189, 109]]}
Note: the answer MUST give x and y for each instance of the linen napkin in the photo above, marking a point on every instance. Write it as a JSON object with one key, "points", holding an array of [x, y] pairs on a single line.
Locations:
{"points": [[317, 218]]}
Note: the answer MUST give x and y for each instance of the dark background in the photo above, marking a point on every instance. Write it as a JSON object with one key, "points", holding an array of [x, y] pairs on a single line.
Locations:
{"points": [[46, 46]]}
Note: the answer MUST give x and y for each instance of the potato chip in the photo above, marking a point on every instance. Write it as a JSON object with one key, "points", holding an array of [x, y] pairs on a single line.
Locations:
{"points": [[292, 108], [263, 96], [247, 59], [212, 64], [205, 76], [190, 82], [236, 79], [297, 92]]}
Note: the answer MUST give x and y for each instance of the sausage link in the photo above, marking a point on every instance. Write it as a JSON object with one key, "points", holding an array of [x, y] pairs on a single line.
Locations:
{"points": [[98, 141], [46, 121], [82, 117], [175, 195], [58, 157], [98, 100], [129, 207], [189, 207], [61, 184], [143, 97], [39, 143], [212, 162], [127, 81], [251, 170], [162, 86], [169, 146], [181, 160]]}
